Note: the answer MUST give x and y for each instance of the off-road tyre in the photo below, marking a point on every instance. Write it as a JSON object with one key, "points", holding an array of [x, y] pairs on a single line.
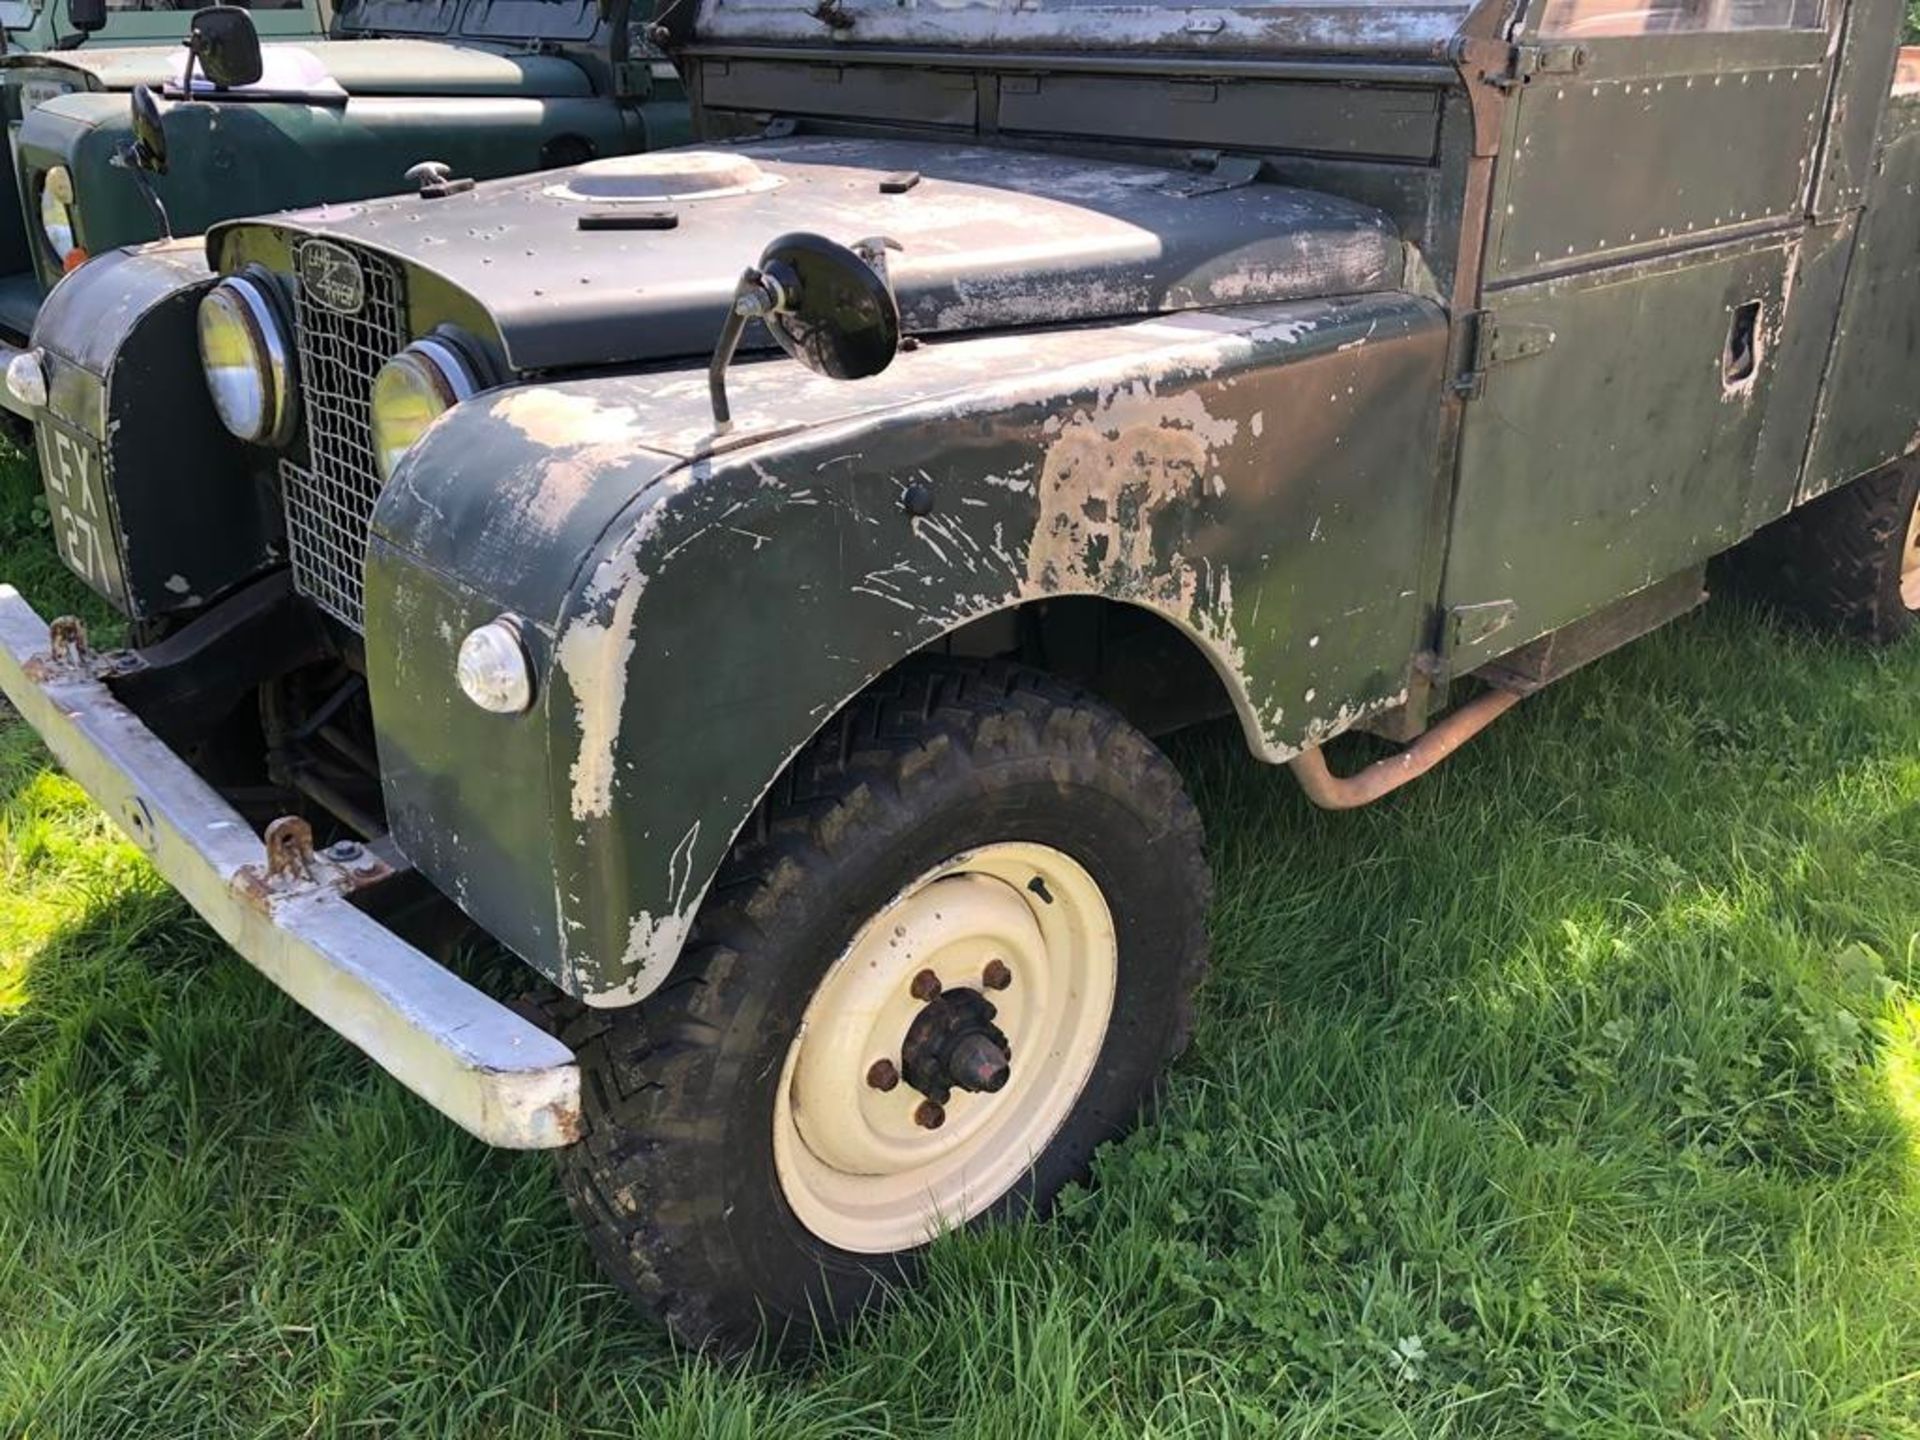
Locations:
{"points": [[1836, 562], [674, 1181]]}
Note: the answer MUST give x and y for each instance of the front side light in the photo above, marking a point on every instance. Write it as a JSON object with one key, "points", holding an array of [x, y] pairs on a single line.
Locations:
{"points": [[493, 668], [56, 212], [244, 351], [27, 379], [413, 390]]}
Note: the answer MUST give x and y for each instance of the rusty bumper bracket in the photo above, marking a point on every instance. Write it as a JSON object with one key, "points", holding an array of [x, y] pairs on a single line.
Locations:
{"points": [[486, 1068]]}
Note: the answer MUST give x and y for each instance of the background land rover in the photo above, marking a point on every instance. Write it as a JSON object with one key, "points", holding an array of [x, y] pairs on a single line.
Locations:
{"points": [[491, 89], [700, 722], [36, 66]]}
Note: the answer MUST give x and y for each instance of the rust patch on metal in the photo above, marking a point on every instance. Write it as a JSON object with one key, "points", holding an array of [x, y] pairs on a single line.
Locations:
{"points": [[71, 658], [293, 867], [289, 849]]}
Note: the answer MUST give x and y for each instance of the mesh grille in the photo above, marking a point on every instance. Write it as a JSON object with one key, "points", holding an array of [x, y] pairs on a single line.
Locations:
{"points": [[330, 506]]}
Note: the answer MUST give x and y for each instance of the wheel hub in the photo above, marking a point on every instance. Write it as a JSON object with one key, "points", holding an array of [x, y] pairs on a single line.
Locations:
{"points": [[953, 1044]]}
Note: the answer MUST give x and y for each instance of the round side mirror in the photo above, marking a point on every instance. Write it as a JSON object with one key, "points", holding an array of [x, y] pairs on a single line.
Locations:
{"points": [[835, 313], [87, 16], [149, 135], [228, 46]]}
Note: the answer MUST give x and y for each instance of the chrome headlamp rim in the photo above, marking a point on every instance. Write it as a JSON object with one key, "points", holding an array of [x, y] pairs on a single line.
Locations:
{"points": [[270, 350], [56, 198], [446, 373]]}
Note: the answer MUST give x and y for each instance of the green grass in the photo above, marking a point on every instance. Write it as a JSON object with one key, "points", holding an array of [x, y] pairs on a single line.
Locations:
{"points": [[1574, 1092]]}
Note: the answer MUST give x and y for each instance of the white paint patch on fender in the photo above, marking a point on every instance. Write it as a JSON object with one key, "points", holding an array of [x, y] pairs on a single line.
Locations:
{"points": [[594, 656], [654, 941], [560, 418]]}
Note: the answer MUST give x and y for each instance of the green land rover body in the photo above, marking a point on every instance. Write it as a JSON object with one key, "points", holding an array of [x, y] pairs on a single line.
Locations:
{"points": [[38, 64], [743, 580], [345, 109]]}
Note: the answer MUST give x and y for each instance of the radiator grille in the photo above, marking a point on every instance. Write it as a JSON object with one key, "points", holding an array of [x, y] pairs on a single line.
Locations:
{"points": [[330, 505]]}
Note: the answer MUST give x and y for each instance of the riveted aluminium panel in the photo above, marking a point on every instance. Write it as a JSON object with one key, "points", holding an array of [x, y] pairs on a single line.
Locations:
{"points": [[1801, 346], [1870, 406], [1865, 74], [1617, 453], [1601, 166], [1379, 121]]}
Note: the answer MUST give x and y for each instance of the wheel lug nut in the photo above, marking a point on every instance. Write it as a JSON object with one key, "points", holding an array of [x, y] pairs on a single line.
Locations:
{"points": [[929, 1116], [926, 985], [883, 1075], [996, 976]]}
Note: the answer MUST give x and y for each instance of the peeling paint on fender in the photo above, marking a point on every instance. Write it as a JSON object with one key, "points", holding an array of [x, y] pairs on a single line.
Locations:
{"points": [[595, 656], [565, 420]]}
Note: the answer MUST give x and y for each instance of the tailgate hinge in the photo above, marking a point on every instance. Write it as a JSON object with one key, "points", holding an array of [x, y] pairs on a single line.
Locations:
{"points": [[1491, 341], [1525, 62], [1471, 625]]}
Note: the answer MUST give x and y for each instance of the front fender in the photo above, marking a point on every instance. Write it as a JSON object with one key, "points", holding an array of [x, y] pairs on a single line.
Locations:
{"points": [[250, 158], [155, 504], [1260, 478]]}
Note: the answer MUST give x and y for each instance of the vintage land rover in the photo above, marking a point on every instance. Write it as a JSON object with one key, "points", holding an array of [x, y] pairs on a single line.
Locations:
{"points": [[486, 87], [42, 41], [744, 579]]}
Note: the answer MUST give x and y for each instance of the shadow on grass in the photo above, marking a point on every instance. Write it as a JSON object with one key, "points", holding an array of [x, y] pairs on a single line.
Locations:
{"points": [[1549, 1097], [1553, 1081]]}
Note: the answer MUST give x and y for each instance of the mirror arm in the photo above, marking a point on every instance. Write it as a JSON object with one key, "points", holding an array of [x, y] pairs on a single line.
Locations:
{"points": [[752, 298], [127, 158], [780, 292]]}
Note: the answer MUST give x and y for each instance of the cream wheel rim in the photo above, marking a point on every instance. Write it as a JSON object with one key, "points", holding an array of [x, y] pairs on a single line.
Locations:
{"points": [[863, 1163], [1910, 562]]}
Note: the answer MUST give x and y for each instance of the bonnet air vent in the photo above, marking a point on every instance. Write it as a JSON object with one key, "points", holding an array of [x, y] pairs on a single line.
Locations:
{"points": [[677, 175]]}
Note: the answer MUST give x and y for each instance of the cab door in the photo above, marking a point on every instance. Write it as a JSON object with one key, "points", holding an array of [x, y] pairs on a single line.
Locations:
{"points": [[1649, 215]]}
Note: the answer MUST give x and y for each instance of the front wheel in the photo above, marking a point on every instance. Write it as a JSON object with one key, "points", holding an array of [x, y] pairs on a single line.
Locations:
{"points": [[951, 957]]}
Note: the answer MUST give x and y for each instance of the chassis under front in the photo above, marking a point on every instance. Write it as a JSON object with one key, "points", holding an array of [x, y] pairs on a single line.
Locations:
{"points": [[475, 1060]]}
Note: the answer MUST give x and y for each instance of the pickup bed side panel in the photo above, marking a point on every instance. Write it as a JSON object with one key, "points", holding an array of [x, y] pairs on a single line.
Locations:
{"points": [[1862, 76], [1257, 477], [1870, 406]]}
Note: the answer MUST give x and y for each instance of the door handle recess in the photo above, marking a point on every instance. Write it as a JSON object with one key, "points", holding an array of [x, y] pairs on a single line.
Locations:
{"points": [[1741, 359]]}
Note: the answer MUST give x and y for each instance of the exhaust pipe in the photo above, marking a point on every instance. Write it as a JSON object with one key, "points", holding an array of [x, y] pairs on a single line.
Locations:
{"points": [[1383, 777]]}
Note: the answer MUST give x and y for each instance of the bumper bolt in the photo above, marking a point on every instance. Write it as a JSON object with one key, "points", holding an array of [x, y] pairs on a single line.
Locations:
{"points": [[883, 1075], [344, 852], [926, 985], [929, 1116], [996, 976]]}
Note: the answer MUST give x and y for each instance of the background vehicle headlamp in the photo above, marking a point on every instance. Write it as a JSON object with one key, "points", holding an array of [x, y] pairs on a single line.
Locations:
{"points": [[245, 352], [56, 212], [413, 390]]}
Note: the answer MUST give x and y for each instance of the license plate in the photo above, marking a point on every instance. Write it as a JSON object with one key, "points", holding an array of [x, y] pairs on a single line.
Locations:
{"points": [[74, 472]]}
